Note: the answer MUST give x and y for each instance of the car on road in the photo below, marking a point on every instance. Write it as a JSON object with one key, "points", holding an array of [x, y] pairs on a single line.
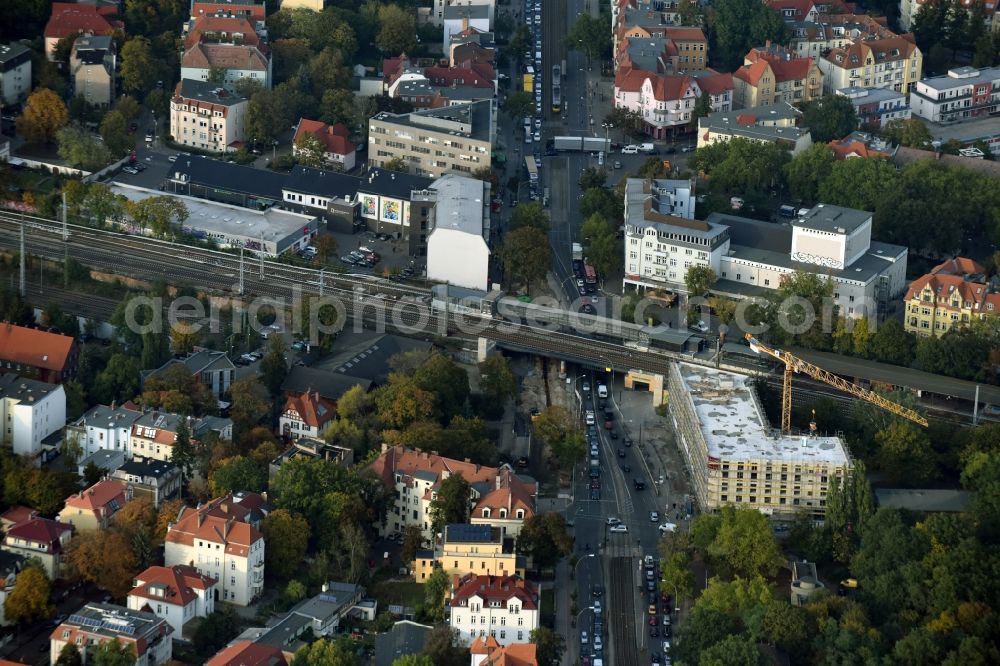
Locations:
{"points": [[595, 484], [597, 607], [620, 528], [654, 517], [627, 441], [596, 590], [617, 164], [584, 639], [586, 387], [700, 326], [626, 468], [612, 521], [639, 484], [587, 308], [595, 494], [654, 632], [598, 643], [130, 169], [667, 527], [654, 621], [590, 417], [652, 610], [688, 149], [349, 260], [621, 453], [613, 433]]}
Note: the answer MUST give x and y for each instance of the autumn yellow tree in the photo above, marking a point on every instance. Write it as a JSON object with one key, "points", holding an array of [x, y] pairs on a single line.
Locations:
{"points": [[29, 600], [183, 337], [104, 558], [44, 114]]}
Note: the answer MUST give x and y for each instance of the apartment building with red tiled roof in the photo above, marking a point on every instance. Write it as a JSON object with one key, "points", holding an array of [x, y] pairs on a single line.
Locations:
{"points": [[149, 636], [68, 18], [35, 354], [93, 508], [955, 293], [488, 652], [306, 415], [504, 607], [666, 102], [216, 540], [772, 74], [499, 496], [248, 653], [177, 594], [335, 141], [254, 9], [40, 538]]}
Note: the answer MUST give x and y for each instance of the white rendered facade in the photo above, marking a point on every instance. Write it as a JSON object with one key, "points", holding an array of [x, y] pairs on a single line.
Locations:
{"points": [[30, 411], [457, 251], [964, 93]]}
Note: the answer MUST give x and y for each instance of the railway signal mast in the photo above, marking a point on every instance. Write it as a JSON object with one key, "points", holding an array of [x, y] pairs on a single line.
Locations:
{"points": [[794, 364]]}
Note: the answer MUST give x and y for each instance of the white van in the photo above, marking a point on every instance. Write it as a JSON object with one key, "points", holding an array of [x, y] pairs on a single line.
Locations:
{"points": [[602, 391], [630, 150], [600, 158]]}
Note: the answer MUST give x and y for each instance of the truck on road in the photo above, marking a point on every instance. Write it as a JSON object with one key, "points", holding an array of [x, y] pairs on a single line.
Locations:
{"points": [[591, 144]]}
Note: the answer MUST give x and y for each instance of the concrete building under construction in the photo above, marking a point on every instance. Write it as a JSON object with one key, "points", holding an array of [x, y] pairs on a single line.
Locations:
{"points": [[737, 458]]}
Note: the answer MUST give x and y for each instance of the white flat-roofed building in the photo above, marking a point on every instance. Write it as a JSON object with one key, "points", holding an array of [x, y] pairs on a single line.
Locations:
{"points": [[276, 231], [457, 249], [877, 106], [964, 93], [30, 411], [737, 458]]}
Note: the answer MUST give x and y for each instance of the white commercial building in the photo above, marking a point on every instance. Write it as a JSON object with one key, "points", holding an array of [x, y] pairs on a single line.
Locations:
{"points": [[735, 456], [751, 257], [964, 93], [30, 411], [458, 251]]}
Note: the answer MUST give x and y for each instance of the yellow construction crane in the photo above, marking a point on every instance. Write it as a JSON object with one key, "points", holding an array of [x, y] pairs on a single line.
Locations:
{"points": [[795, 364]]}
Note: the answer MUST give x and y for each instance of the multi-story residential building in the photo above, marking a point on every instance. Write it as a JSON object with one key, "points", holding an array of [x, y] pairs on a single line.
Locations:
{"points": [[156, 479], [103, 428], [149, 636], [877, 106], [499, 497], [226, 44], [964, 93], [30, 411], [335, 141], [735, 456], [255, 10], [177, 594], [206, 116], [35, 354], [772, 74], [437, 14], [465, 549], [306, 415], [459, 227], [153, 434], [666, 102], [15, 73], [894, 63], [645, 18], [748, 255], [212, 369], [10, 565], [216, 539], [433, 142], [69, 18], [766, 124], [39, 538], [460, 16], [504, 607], [666, 50], [795, 11], [953, 294], [92, 64], [93, 508]]}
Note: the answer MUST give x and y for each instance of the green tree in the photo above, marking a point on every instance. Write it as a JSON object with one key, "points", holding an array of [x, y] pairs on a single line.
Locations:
{"points": [[249, 404], [519, 105], [413, 540], [114, 131], [401, 402], [544, 537], [274, 367], [743, 166], [892, 344], [529, 215], [593, 177], [79, 147], [29, 600], [128, 107], [905, 455], [702, 107], [829, 117], [216, 630], [237, 474], [413, 660], [910, 132], [397, 29], [734, 27], [447, 381], [159, 214], [497, 380], [113, 653], [549, 646], [138, 68], [562, 433], [808, 169], [733, 650], [864, 184], [43, 116], [699, 280], [590, 36], [452, 504], [69, 656], [444, 646], [862, 338], [337, 106], [600, 245], [525, 256], [288, 536], [182, 453], [436, 587]]}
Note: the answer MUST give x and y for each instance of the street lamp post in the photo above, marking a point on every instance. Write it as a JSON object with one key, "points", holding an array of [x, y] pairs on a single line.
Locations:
{"points": [[577, 566], [576, 620]]}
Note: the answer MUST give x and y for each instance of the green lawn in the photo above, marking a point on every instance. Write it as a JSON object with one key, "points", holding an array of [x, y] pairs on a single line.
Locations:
{"points": [[404, 593]]}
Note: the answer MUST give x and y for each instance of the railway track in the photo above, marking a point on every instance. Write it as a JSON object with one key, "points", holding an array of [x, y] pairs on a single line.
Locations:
{"points": [[621, 613]]}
